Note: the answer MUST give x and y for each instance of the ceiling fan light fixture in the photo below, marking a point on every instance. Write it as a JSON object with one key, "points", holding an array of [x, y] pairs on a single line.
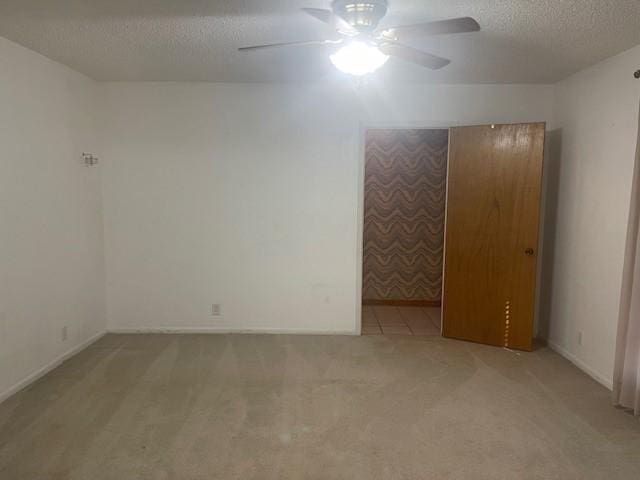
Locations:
{"points": [[359, 58]]}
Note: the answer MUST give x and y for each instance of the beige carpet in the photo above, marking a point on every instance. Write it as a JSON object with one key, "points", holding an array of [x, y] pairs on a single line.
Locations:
{"points": [[302, 407]]}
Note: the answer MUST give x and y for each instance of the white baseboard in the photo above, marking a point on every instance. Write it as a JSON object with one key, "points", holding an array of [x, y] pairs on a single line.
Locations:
{"points": [[601, 379], [221, 330], [48, 367]]}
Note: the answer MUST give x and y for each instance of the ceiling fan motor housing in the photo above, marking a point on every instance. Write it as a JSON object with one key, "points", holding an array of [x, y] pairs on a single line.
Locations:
{"points": [[364, 15]]}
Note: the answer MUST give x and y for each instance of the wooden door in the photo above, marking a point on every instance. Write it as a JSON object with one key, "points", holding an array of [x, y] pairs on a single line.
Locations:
{"points": [[491, 236]]}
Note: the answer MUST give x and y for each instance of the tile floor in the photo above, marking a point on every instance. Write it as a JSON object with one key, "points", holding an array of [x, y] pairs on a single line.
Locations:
{"points": [[389, 320]]}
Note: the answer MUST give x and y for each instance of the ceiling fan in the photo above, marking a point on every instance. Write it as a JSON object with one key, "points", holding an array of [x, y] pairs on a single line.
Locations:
{"points": [[362, 48]]}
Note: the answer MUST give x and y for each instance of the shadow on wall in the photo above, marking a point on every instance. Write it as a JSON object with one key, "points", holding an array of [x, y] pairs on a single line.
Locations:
{"points": [[551, 194]]}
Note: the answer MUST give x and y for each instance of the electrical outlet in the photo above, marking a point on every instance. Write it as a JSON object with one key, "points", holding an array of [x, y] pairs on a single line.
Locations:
{"points": [[64, 333], [580, 338], [216, 310]]}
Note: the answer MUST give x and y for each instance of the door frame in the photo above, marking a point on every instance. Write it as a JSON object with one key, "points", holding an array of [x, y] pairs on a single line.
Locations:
{"points": [[436, 125]]}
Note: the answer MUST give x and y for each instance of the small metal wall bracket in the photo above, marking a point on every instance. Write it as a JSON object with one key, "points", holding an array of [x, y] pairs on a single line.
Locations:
{"points": [[89, 159]]}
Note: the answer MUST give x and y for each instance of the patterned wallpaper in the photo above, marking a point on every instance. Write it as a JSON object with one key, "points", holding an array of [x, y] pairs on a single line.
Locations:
{"points": [[404, 205]]}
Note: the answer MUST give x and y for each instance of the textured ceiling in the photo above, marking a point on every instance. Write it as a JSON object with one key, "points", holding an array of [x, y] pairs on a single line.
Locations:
{"points": [[521, 41]]}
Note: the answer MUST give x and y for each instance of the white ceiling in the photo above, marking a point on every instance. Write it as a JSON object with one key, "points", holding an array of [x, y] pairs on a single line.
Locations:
{"points": [[522, 41]]}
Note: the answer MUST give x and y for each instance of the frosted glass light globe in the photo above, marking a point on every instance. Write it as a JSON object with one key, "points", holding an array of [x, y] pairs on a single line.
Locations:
{"points": [[359, 58]]}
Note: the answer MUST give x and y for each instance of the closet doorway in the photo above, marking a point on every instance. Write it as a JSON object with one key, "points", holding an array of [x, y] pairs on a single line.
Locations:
{"points": [[403, 235]]}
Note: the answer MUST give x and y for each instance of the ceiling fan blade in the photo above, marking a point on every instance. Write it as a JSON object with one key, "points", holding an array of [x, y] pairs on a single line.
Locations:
{"points": [[441, 27], [412, 55], [333, 20], [289, 44]]}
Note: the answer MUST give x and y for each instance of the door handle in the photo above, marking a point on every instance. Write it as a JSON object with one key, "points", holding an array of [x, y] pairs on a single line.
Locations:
{"points": [[529, 252]]}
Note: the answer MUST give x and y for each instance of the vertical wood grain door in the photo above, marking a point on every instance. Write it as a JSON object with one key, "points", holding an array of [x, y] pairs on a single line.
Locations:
{"points": [[491, 238]]}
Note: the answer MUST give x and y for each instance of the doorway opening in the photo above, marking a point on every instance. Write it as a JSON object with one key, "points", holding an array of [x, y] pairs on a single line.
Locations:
{"points": [[491, 176], [403, 237]]}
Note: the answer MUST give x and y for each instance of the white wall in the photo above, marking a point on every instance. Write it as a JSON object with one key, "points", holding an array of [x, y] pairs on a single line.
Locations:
{"points": [[51, 257], [249, 195], [590, 180]]}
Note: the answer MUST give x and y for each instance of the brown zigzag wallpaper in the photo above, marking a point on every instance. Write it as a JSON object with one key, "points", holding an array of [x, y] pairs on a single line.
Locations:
{"points": [[404, 207]]}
